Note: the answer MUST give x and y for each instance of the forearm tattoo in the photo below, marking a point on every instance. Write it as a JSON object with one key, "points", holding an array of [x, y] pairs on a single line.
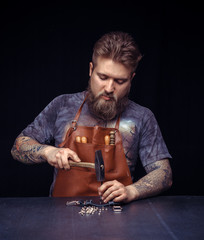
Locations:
{"points": [[27, 150], [158, 179]]}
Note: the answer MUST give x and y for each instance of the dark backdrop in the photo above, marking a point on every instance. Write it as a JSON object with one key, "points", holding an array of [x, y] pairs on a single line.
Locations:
{"points": [[45, 51]]}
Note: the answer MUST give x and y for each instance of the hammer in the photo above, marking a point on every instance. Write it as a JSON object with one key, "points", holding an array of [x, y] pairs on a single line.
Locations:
{"points": [[98, 166]]}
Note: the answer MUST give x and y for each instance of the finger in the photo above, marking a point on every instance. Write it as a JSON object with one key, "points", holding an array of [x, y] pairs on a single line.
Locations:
{"points": [[120, 198], [59, 162], [58, 159], [113, 195], [109, 191], [73, 156], [65, 163], [108, 185], [64, 160], [104, 187], [116, 188]]}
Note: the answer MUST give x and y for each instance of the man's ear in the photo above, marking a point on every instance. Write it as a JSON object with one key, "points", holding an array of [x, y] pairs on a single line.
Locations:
{"points": [[90, 68]]}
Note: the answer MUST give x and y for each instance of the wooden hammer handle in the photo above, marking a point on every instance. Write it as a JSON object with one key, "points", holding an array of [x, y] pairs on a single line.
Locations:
{"points": [[82, 164]]}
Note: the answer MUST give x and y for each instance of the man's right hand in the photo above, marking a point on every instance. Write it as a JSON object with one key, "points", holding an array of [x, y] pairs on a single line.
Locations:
{"points": [[60, 157]]}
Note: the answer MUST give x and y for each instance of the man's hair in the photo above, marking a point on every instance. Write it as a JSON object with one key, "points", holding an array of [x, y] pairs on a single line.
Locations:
{"points": [[120, 47]]}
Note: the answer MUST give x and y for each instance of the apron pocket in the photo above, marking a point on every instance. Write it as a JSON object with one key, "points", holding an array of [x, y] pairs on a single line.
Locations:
{"points": [[85, 151]]}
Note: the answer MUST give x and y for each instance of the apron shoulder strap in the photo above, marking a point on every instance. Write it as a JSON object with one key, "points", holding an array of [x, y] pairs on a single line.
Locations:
{"points": [[117, 123]]}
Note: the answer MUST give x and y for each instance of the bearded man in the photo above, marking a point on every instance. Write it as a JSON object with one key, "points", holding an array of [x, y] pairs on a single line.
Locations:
{"points": [[102, 108]]}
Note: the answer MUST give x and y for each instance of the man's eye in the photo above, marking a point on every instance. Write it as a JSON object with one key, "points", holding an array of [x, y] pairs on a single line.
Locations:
{"points": [[119, 81], [103, 77]]}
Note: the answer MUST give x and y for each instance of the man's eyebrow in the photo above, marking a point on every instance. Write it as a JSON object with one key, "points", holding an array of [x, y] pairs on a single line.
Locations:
{"points": [[104, 75], [101, 74]]}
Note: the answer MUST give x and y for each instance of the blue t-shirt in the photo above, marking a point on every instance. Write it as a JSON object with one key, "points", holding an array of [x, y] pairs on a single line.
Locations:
{"points": [[141, 135]]}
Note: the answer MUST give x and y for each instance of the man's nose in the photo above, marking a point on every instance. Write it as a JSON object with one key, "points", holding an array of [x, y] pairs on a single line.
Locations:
{"points": [[110, 86]]}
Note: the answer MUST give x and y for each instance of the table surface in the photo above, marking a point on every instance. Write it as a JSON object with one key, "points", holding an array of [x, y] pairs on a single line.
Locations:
{"points": [[162, 217]]}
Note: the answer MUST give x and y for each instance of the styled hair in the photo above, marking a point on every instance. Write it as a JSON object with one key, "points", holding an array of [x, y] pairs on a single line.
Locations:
{"points": [[120, 47]]}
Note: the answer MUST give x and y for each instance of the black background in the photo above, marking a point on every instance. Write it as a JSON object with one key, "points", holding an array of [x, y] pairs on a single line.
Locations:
{"points": [[45, 52]]}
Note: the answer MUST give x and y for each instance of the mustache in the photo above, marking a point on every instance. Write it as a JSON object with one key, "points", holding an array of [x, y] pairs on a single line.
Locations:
{"points": [[105, 110], [109, 95]]}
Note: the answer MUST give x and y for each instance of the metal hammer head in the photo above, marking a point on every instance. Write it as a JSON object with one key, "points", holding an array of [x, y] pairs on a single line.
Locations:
{"points": [[99, 166]]}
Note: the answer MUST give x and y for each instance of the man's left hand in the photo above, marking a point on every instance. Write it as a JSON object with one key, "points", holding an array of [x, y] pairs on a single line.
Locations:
{"points": [[116, 191]]}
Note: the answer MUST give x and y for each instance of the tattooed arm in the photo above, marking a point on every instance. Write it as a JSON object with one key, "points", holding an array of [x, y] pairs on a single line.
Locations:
{"points": [[157, 179], [29, 151]]}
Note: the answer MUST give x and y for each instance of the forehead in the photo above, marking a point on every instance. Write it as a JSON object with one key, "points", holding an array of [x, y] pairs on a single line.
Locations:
{"points": [[111, 68]]}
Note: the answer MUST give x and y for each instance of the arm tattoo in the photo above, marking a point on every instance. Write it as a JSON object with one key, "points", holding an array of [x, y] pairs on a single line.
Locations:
{"points": [[27, 150], [158, 179]]}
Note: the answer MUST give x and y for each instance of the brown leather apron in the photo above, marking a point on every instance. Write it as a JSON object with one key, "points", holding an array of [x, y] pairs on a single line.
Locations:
{"points": [[80, 181]]}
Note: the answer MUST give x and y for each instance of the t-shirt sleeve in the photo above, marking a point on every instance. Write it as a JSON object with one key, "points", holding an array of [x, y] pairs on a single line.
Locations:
{"points": [[152, 146], [42, 128]]}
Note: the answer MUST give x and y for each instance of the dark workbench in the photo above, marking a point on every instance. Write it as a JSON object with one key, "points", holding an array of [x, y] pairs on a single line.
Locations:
{"points": [[164, 217]]}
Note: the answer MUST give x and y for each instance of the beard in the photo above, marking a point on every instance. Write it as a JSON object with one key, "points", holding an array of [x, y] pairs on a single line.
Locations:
{"points": [[106, 110]]}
